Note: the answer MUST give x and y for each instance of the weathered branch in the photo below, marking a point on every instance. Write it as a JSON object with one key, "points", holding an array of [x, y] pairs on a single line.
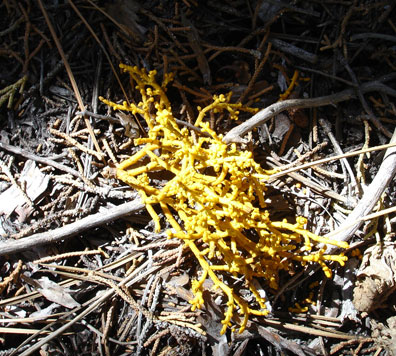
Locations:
{"points": [[13, 246], [370, 198], [235, 135]]}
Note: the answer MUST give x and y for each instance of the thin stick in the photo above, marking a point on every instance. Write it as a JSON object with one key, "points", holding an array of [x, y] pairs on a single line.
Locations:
{"points": [[95, 304], [71, 76], [329, 159], [365, 218], [9, 247], [43, 160], [235, 135]]}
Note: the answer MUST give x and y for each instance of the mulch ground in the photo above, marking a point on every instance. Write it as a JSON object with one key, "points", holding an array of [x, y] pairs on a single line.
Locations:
{"points": [[83, 269]]}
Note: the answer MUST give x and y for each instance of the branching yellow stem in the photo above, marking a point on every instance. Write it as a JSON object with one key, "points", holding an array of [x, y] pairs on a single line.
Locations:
{"points": [[214, 201]]}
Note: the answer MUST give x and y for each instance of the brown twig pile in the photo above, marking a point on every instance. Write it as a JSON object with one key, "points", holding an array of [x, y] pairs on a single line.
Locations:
{"points": [[82, 269]]}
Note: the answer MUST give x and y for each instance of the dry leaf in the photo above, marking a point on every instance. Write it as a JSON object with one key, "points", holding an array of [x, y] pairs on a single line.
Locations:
{"points": [[55, 293], [12, 199], [376, 277]]}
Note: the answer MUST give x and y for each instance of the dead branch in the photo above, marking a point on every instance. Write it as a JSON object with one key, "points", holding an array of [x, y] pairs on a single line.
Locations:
{"points": [[235, 135], [10, 247], [381, 181]]}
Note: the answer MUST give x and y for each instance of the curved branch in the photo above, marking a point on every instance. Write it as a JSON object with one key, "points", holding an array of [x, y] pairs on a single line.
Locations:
{"points": [[235, 135]]}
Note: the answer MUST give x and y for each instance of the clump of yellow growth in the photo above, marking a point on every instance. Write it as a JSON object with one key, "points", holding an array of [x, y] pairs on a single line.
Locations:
{"points": [[293, 82], [298, 307], [214, 201]]}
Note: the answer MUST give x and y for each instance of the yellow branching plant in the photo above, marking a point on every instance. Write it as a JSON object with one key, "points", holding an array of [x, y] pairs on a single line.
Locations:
{"points": [[214, 201]]}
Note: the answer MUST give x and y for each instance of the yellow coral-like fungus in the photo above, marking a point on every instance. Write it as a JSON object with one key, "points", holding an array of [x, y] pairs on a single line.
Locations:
{"points": [[214, 201]]}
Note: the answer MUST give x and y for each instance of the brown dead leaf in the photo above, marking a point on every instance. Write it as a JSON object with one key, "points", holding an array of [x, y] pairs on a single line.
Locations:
{"points": [[376, 277]]}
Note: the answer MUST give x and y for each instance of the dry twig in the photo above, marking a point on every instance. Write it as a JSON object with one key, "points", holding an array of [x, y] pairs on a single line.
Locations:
{"points": [[70, 230], [235, 135]]}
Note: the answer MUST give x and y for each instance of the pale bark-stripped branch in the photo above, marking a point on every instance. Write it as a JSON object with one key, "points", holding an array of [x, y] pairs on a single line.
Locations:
{"points": [[381, 181], [235, 135], [13, 246]]}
